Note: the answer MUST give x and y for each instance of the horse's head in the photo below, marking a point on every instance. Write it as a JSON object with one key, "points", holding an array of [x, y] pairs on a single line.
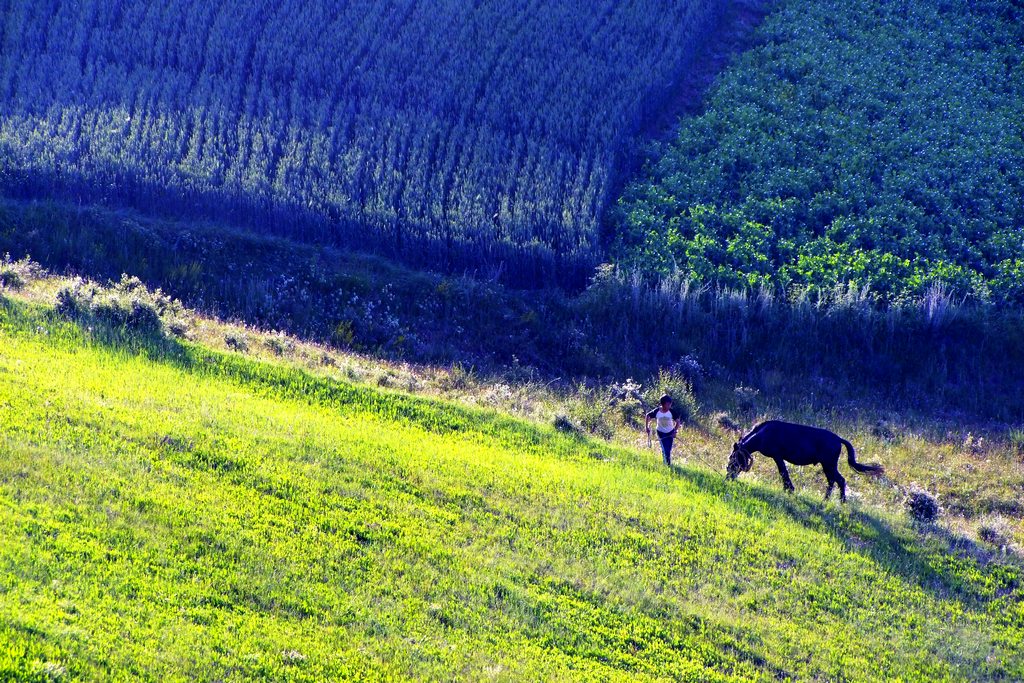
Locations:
{"points": [[741, 460]]}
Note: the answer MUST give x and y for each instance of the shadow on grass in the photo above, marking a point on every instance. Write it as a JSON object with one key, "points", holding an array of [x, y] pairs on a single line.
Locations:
{"points": [[931, 565]]}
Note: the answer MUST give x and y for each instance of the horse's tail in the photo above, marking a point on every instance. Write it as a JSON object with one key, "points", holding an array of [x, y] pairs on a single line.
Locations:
{"points": [[851, 457]]}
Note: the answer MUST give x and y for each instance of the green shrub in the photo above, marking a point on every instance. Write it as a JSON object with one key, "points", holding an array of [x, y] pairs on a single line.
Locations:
{"points": [[127, 305], [590, 412], [10, 279], [628, 401], [725, 421], [1017, 441], [923, 507], [279, 344], [236, 341], [343, 335], [563, 423], [886, 431], [746, 398], [677, 386], [73, 301], [995, 529], [458, 378], [14, 275]]}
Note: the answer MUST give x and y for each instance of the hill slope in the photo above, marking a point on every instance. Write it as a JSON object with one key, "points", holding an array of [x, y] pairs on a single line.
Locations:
{"points": [[171, 512]]}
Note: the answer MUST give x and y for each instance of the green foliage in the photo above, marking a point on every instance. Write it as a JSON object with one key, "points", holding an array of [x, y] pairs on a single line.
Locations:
{"points": [[1017, 440], [472, 136], [724, 421], [590, 413], [237, 342], [995, 529], [344, 336], [680, 388], [10, 279], [127, 303], [922, 505], [564, 423], [16, 274], [260, 523], [863, 143]]}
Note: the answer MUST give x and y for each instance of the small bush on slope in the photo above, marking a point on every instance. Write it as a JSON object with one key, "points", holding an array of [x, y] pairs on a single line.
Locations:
{"points": [[127, 304]]}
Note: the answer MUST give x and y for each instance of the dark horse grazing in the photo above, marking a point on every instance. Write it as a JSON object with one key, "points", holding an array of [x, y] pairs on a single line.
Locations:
{"points": [[800, 445]]}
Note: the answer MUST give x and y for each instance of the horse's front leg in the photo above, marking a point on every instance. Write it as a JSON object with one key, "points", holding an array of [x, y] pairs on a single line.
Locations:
{"points": [[787, 483]]}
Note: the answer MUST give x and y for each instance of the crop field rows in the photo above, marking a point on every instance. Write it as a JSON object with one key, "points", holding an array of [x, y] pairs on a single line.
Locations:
{"points": [[864, 143], [421, 129]]}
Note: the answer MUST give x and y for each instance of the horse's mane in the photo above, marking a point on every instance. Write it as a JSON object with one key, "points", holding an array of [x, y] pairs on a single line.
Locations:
{"points": [[749, 435]]}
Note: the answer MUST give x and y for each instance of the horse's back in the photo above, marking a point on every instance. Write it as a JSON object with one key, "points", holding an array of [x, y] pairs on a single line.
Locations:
{"points": [[798, 443]]}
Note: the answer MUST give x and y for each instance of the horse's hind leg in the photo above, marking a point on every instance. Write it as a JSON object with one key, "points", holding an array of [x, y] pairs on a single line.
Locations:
{"points": [[787, 483], [834, 478], [831, 485]]}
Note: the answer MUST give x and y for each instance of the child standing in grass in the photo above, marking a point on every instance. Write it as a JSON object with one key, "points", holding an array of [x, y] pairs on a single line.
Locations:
{"points": [[667, 420]]}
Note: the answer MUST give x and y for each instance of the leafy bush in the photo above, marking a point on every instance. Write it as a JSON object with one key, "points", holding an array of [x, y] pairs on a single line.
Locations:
{"points": [[677, 386], [886, 431], [628, 400], [237, 341], [996, 530], [590, 413], [128, 304], [690, 369], [458, 378], [725, 421], [14, 275], [923, 507], [344, 335], [563, 423], [10, 279], [859, 144], [746, 397], [1017, 441], [279, 344]]}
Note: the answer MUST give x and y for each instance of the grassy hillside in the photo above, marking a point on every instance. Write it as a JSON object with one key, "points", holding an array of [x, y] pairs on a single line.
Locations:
{"points": [[441, 132], [172, 512], [875, 144]]}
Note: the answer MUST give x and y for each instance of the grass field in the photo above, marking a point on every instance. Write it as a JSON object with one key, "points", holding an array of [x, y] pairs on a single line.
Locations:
{"points": [[172, 512]]}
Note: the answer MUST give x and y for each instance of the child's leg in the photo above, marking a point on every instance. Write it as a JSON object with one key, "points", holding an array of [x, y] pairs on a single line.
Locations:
{"points": [[666, 448]]}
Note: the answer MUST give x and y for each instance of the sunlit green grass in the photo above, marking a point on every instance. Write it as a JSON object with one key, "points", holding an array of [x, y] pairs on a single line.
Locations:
{"points": [[168, 512]]}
